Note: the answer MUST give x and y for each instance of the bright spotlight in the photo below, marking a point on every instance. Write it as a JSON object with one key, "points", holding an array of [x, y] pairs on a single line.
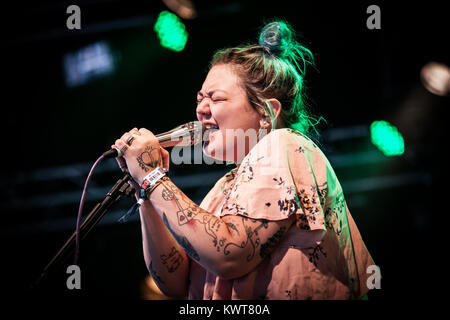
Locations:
{"points": [[387, 138], [183, 8], [436, 78], [171, 31]]}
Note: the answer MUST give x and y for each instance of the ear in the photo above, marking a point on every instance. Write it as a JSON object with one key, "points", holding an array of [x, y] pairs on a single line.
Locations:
{"points": [[275, 108]]}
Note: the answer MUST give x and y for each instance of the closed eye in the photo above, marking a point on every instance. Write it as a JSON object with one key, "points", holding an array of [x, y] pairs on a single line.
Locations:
{"points": [[200, 99]]}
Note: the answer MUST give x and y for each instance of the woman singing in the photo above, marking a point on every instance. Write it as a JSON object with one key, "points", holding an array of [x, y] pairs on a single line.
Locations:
{"points": [[275, 227]]}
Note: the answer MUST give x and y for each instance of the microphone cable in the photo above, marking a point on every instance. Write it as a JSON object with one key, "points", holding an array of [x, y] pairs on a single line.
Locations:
{"points": [[80, 209]]}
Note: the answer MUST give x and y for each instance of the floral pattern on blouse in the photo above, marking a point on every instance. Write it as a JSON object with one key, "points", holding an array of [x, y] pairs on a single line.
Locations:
{"points": [[322, 256], [255, 175]]}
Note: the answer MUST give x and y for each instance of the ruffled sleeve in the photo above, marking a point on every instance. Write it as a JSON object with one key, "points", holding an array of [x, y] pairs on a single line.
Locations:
{"points": [[284, 174]]}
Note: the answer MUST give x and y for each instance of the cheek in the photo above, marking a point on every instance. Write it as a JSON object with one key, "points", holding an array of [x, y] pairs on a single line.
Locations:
{"points": [[220, 114], [236, 118]]}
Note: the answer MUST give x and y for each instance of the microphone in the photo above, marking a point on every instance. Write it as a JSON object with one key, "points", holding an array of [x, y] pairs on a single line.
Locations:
{"points": [[187, 134]]}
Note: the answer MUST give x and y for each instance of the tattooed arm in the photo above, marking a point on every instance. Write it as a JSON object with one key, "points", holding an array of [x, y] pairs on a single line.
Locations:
{"points": [[230, 246], [165, 259]]}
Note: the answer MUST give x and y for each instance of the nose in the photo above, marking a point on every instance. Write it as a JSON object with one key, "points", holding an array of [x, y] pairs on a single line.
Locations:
{"points": [[203, 111]]}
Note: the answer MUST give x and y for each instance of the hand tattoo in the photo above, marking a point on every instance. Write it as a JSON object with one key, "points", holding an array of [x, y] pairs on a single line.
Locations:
{"points": [[150, 158]]}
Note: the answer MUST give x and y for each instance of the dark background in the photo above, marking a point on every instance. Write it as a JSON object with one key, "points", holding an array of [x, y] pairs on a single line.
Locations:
{"points": [[53, 133]]}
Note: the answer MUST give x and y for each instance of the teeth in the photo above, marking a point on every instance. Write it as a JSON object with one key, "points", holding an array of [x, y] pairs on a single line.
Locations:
{"points": [[210, 126]]}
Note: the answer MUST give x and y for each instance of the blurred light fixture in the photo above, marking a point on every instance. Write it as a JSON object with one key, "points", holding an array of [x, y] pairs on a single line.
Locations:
{"points": [[88, 63], [183, 8], [171, 31], [387, 138], [436, 78]]}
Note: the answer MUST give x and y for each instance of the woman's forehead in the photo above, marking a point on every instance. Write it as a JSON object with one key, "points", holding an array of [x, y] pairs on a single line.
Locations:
{"points": [[221, 77]]}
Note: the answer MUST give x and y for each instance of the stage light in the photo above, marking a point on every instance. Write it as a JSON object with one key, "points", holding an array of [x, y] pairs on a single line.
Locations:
{"points": [[171, 31], [436, 78], [183, 8], [91, 62], [387, 138]]}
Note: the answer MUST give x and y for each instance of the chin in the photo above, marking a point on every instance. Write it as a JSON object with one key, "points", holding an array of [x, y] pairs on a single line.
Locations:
{"points": [[217, 152]]}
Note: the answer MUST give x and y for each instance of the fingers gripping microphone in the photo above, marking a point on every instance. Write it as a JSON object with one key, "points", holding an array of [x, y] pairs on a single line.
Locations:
{"points": [[187, 134]]}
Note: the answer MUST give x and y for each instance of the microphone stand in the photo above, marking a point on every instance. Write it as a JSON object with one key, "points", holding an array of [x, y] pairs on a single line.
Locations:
{"points": [[120, 188]]}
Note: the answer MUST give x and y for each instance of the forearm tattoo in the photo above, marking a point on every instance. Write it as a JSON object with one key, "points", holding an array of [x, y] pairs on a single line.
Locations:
{"points": [[188, 213], [149, 159], [172, 260], [182, 241]]}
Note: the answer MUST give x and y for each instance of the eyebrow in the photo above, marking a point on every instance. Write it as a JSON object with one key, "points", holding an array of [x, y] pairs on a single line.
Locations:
{"points": [[210, 93]]}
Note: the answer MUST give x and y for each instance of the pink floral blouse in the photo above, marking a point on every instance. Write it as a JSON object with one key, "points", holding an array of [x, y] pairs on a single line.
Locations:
{"points": [[322, 256]]}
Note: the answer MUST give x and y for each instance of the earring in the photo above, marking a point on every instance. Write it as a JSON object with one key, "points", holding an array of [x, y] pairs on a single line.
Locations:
{"points": [[263, 130]]}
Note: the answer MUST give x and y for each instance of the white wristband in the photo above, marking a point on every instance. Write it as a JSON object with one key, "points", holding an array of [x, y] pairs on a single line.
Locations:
{"points": [[152, 178]]}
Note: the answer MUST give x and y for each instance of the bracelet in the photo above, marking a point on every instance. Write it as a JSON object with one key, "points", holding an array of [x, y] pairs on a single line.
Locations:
{"points": [[150, 181], [148, 191]]}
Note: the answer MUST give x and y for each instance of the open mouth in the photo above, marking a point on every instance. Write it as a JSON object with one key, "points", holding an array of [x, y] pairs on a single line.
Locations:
{"points": [[210, 129]]}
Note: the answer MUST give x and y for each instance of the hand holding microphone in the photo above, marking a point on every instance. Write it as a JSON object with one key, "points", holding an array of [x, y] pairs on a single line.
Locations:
{"points": [[140, 151], [185, 135]]}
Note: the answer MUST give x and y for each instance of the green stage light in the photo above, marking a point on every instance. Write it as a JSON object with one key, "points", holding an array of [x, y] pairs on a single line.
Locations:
{"points": [[387, 138], [171, 31]]}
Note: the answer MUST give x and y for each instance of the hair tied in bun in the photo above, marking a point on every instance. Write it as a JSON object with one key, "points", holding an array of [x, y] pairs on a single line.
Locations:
{"points": [[275, 37], [278, 38]]}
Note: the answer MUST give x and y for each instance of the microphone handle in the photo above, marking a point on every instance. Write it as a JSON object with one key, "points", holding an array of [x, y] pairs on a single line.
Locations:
{"points": [[171, 138], [166, 140]]}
